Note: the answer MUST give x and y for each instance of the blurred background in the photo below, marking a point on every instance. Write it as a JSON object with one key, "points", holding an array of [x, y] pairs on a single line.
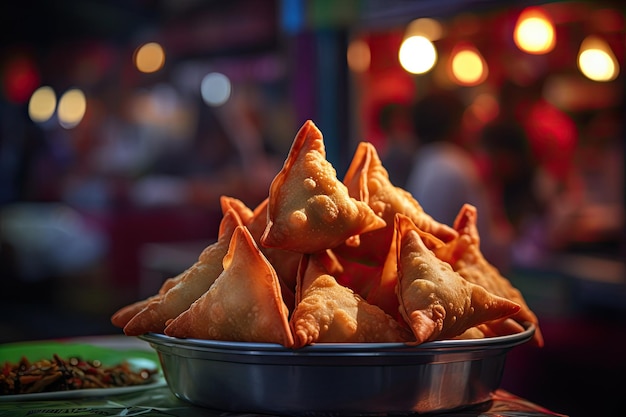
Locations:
{"points": [[122, 123]]}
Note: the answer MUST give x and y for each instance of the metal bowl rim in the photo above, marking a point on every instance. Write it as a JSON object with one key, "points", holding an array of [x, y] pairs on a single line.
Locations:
{"points": [[497, 342]]}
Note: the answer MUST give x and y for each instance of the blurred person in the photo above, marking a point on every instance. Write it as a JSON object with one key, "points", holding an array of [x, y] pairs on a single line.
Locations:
{"points": [[553, 138], [445, 175], [511, 171], [395, 122], [511, 176], [599, 221]]}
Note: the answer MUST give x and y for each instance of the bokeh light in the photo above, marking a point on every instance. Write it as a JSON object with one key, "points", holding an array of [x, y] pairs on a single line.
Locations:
{"points": [[359, 55], [425, 26], [149, 57], [72, 107], [596, 60], [215, 89], [417, 55], [42, 104], [20, 79], [534, 32], [467, 65]]}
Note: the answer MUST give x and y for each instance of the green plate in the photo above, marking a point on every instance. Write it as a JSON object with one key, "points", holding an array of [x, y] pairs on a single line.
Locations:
{"points": [[109, 356]]}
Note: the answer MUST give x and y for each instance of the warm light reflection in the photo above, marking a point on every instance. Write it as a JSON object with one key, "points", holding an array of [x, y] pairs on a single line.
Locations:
{"points": [[359, 55], [596, 60], [485, 107], [42, 104], [149, 57], [72, 107], [534, 32], [467, 65], [417, 55], [215, 89], [424, 26]]}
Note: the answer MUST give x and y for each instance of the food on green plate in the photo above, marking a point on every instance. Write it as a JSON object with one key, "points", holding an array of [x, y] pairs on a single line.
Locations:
{"points": [[58, 374]]}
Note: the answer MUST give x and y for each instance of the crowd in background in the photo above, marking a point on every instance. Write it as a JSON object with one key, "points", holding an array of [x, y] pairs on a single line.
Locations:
{"points": [[533, 172]]}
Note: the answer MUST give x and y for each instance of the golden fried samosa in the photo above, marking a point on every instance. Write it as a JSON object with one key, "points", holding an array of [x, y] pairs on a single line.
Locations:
{"points": [[285, 262], [466, 258], [471, 333], [122, 316], [244, 304], [327, 312], [368, 181], [309, 208], [436, 301], [245, 213], [501, 327], [196, 280], [384, 293], [384, 290]]}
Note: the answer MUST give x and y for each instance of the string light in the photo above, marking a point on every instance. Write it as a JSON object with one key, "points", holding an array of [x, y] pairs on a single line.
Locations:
{"points": [[417, 55], [534, 32], [149, 57], [359, 55], [42, 104], [596, 60], [215, 89], [72, 107], [467, 65]]}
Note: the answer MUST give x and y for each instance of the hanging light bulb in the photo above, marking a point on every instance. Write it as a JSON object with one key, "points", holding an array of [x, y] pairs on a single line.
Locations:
{"points": [[596, 60], [534, 32], [467, 66], [359, 55], [427, 27], [417, 55]]}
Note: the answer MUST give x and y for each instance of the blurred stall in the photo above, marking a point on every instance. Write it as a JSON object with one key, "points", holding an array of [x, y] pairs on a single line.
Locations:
{"points": [[543, 88], [121, 125]]}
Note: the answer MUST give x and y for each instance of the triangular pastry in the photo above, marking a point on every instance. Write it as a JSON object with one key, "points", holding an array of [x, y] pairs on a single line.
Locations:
{"points": [[309, 208], [327, 312], [368, 180], [122, 316], [196, 280], [244, 304], [384, 290], [285, 262], [436, 301], [245, 213], [466, 258]]}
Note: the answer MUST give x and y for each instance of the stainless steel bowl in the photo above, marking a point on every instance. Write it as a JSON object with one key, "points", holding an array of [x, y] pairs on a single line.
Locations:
{"points": [[334, 379]]}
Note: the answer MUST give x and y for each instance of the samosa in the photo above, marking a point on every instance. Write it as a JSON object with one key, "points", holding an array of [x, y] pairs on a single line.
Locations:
{"points": [[309, 208], [466, 258], [327, 312], [436, 301], [368, 181], [195, 281], [244, 303]]}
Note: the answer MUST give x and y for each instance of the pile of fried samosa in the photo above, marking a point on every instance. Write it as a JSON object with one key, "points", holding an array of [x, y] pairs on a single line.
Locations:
{"points": [[322, 260]]}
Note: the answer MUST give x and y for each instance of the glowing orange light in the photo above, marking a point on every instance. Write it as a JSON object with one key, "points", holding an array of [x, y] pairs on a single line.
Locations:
{"points": [[596, 60], [359, 55], [427, 27], [534, 32], [149, 57], [467, 65]]}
